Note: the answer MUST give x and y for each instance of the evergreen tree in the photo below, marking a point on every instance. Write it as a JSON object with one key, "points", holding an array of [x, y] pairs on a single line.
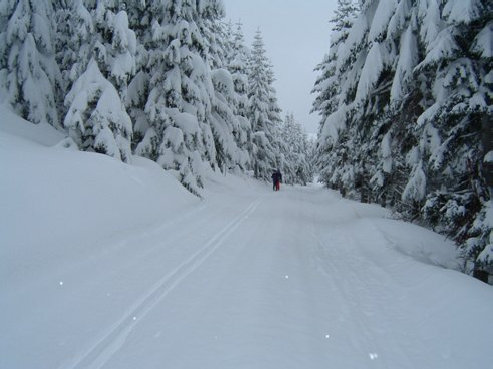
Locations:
{"points": [[29, 74], [145, 140], [75, 30], [238, 67], [215, 33], [182, 90], [296, 168], [225, 122], [180, 97], [332, 160], [459, 62], [264, 113], [96, 116], [403, 120]]}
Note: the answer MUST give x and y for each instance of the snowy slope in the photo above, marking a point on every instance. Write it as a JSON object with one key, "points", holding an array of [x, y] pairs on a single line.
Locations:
{"points": [[109, 265]]}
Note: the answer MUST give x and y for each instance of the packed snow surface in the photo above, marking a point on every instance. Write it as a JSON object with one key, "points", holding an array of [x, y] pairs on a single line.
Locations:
{"points": [[115, 266]]}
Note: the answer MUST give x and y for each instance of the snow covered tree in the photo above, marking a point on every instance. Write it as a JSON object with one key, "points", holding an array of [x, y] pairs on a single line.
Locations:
{"points": [[332, 160], [99, 63], [225, 122], [403, 120], [29, 74], [264, 112], [96, 118], [238, 67], [296, 168], [215, 33], [140, 16], [180, 95], [74, 31], [458, 62], [187, 102]]}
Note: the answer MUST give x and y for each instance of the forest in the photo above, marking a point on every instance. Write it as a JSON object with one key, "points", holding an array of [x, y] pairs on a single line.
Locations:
{"points": [[404, 97]]}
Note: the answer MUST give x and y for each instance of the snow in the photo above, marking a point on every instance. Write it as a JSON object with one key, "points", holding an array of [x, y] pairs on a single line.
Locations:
{"points": [[429, 12], [188, 123], [408, 59], [334, 123], [443, 47], [41, 133], [358, 31], [416, 186], [224, 79], [383, 15], [462, 11], [109, 265], [386, 149], [483, 43], [374, 66], [398, 21]]}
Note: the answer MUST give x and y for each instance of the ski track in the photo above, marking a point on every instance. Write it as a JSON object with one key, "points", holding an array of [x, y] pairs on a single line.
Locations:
{"points": [[114, 338], [296, 279]]}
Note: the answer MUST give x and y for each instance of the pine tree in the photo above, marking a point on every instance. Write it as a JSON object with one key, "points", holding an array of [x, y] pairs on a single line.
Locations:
{"points": [[331, 147], [74, 30], [295, 168], [458, 62], [215, 33], [29, 74], [96, 116], [264, 113], [238, 67], [403, 121], [224, 121], [180, 96], [145, 141]]}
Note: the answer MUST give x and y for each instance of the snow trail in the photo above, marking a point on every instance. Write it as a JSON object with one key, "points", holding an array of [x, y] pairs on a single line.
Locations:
{"points": [[254, 279], [113, 340]]}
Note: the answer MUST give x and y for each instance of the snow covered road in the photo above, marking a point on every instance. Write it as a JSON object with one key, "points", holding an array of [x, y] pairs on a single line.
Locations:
{"points": [[296, 279]]}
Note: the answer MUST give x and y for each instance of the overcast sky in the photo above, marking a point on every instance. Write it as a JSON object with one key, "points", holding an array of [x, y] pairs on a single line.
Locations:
{"points": [[296, 36]]}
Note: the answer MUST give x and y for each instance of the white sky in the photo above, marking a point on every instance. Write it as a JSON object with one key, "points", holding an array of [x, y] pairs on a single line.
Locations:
{"points": [[296, 36]]}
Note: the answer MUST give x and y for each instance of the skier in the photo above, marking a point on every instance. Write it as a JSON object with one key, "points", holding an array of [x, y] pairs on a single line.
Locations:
{"points": [[276, 180]]}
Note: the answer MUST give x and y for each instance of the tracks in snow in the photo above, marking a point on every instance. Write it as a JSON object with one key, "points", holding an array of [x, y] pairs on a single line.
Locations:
{"points": [[101, 351]]}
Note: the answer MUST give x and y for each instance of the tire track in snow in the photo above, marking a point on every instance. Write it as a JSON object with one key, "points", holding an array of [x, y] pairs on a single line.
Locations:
{"points": [[100, 352]]}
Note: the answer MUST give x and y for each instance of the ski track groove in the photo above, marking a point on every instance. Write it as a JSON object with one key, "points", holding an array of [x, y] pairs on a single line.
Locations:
{"points": [[113, 246], [101, 351]]}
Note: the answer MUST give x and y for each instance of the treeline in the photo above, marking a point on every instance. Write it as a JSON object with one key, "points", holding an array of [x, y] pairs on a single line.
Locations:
{"points": [[405, 99], [169, 80]]}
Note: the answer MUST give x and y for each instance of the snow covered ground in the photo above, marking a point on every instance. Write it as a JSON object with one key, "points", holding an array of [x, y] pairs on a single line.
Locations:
{"points": [[115, 266]]}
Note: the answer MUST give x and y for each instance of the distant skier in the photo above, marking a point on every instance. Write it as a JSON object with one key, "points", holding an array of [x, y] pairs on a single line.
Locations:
{"points": [[276, 180]]}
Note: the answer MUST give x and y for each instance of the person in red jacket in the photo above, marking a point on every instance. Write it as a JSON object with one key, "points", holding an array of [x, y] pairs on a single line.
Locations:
{"points": [[276, 180]]}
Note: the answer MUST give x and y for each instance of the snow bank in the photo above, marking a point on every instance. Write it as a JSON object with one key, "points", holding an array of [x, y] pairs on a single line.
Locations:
{"points": [[419, 243], [41, 133], [56, 202]]}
